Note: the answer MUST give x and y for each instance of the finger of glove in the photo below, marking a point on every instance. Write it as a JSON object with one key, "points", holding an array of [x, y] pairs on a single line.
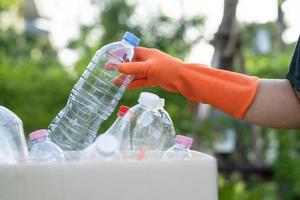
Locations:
{"points": [[119, 80], [142, 53], [134, 68]]}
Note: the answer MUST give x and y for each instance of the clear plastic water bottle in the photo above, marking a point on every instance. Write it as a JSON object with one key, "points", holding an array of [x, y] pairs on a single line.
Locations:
{"points": [[43, 150], [6, 152], [120, 129], [180, 150], [105, 148], [169, 129], [146, 126], [4, 159], [12, 134], [94, 96]]}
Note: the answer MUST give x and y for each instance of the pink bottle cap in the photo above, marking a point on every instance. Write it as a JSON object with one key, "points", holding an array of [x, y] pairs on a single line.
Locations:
{"points": [[123, 110], [181, 139], [38, 134]]}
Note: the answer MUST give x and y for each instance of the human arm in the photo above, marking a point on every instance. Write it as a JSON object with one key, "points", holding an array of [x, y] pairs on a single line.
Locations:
{"points": [[266, 102], [276, 105]]}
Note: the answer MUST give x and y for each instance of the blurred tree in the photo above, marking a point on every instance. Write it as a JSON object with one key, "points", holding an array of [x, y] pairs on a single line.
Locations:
{"points": [[20, 47], [235, 188], [6, 4], [287, 174], [261, 54], [280, 25], [33, 93], [33, 83], [227, 38]]}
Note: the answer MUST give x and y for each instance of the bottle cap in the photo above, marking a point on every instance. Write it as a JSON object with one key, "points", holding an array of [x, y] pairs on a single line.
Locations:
{"points": [[149, 100], [181, 139], [131, 38], [123, 110], [107, 144], [38, 134]]}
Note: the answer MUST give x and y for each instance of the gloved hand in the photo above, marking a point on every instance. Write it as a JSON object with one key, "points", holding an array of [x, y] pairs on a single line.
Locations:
{"points": [[228, 91]]}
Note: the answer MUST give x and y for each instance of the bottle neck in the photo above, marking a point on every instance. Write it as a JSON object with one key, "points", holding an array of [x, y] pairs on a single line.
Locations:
{"points": [[147, 107], [182, 146], [127, 43], [126, 117], [120, 116], [39, 140]]}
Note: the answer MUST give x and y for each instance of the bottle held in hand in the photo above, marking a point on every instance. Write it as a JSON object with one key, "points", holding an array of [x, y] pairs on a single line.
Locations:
{"points": [[94, 96]]}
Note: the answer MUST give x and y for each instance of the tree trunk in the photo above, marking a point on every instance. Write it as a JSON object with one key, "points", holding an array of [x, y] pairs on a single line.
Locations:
{"points": [[280, 26], [227, 38], [255, 136]]}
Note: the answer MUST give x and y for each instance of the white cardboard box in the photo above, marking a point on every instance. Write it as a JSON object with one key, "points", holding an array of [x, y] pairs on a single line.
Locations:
{"points": [[151, 179]]}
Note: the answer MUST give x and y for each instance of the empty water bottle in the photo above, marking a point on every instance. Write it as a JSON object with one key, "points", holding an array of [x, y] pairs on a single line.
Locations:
{"points": [[94, 96], [120, 129], [4, 159], [12, 134], [169, 129], [43, 150], [106, 147], [6, 152], [180, 150], [146, 126]]}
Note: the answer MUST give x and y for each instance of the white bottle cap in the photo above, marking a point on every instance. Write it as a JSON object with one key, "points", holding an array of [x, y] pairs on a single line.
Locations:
{"points": [[149, 100], [107, 144]]}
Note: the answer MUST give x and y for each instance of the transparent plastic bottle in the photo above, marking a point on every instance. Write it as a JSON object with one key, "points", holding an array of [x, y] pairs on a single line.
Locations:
{"points": [[6, 152], [180, 150], [43, 150], [120, 129], [4, 159], [12, 134], [146, 126], [169, 129], [94, 96], [106, 147]]}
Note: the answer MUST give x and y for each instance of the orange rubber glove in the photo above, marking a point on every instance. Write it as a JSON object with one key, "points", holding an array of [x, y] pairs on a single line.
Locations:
{"points": [[228, 91]]}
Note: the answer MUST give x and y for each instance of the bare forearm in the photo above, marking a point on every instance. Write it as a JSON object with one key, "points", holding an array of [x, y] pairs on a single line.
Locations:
{"points": [[276, 105]]}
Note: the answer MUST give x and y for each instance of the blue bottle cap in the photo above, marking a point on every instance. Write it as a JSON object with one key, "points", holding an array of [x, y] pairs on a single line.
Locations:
{"points": [[131, 38]]}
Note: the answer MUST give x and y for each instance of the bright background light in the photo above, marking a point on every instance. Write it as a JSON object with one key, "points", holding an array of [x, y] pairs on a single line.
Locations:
{"points": [[66, 16]]}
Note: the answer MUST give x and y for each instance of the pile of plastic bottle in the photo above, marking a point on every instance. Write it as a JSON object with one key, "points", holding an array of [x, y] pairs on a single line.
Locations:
{"points": [[71, 137]]}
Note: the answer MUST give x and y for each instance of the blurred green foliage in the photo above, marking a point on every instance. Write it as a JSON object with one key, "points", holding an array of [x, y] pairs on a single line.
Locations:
{"points": [[236, 188], [33, 83], [5, 4], [35, 86], [33, 93]]}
